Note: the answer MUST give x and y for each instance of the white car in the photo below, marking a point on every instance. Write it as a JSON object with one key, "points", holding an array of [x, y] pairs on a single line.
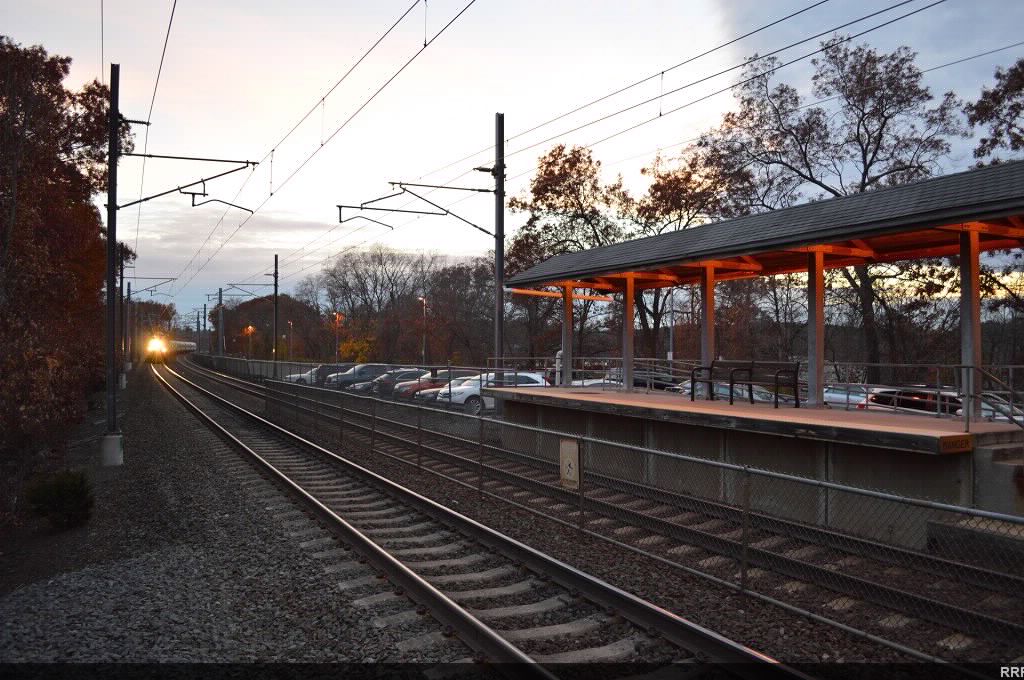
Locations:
{"points": [[467, 395], [307, 378]]}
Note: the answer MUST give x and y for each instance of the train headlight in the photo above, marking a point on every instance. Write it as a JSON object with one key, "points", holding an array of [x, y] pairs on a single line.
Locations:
{"points": [[156, 345]]}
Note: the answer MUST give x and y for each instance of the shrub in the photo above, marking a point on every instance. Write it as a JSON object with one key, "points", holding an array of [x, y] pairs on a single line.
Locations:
{"points": [[64, 498]]}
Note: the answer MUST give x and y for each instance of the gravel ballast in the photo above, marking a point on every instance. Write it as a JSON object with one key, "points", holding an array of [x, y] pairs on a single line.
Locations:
{"points": [[182, 561]]}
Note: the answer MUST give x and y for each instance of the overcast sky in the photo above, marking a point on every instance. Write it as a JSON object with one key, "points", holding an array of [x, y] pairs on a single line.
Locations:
{"points": [[238, 74]]}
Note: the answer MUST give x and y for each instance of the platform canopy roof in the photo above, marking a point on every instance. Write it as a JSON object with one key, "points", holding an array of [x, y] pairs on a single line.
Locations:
{"points": [[911, 221]]}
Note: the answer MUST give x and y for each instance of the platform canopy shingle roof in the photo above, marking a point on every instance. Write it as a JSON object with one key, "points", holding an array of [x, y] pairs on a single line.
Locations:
{"points": [[911, 221]]}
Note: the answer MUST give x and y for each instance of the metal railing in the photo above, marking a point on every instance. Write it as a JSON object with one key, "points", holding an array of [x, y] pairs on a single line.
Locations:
{"points": [[956, 566], [935, 390]]}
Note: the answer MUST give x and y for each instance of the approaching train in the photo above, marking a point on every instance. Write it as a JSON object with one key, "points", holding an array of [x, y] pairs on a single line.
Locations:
{"points": [[158, 348]]}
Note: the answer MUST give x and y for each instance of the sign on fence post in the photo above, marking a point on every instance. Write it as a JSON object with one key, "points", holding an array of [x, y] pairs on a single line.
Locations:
{"points": [[569, 463]]}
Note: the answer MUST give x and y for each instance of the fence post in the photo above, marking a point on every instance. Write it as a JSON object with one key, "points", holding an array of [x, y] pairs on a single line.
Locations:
{"points": [[373, 423], [579, 487], [341, 421], [745, 491], [419, 437], [316, 414], [480, 459], [938, 394]]}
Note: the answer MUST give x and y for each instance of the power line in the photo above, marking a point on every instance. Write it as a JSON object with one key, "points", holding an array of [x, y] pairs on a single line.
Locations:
{"points": [[704, 79], [335, 133], [747, 80], [630, 86], [581, 107], [149, 119], [320, 101], [743, 64], [807, 105], [103, 57]]}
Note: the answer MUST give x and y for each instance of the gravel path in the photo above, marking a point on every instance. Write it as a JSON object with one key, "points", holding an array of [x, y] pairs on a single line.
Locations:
{"points": [[180, 562]]}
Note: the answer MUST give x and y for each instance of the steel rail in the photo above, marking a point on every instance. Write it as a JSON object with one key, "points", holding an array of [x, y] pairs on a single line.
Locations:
{"points": [[885, 596], [682, 632], [938, 565], [471, 630], [786, 606]]}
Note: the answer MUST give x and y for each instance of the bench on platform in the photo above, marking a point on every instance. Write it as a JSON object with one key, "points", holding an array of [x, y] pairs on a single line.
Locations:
{"points": [[749, 373]]}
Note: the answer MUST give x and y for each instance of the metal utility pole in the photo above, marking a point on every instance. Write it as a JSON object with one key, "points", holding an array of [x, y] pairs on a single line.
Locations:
{"points": [[198, 337], [499, 238], [127, 332], [220, 322], [498, 172], [274, 353], [204, 327], [120, 324], [112, 447]]}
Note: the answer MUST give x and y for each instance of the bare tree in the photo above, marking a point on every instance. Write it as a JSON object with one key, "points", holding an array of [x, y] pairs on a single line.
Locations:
{"points": [[875, 125]]}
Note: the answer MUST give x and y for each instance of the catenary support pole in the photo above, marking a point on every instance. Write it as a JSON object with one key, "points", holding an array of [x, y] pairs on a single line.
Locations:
{"points": [[121, 316], [815, 329], [970, 317], [499, 238], [112, 451], [204, 329], [567, 328], [220, 322], [274, 351], [129, 342]]}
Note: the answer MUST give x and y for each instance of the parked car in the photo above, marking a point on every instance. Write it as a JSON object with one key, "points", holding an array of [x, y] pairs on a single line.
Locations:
{"points": [[356, 374], [915, 400], [644, 379], [848, 396], [604, 383], [384, 385], [762, 395], [317, 376], [361, 387], [996, 408], [409, 388], [430, 395], [468, 395]]}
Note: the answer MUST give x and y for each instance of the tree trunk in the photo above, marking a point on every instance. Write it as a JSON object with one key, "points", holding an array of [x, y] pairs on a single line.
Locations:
{"points": [[872, 350]]}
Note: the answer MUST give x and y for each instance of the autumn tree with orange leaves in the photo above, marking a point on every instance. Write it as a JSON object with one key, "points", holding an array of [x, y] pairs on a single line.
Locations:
{"points": [[52, 248]]}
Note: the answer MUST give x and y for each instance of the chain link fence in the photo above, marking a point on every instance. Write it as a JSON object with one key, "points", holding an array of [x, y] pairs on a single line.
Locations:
{"points": [[760, 530]]}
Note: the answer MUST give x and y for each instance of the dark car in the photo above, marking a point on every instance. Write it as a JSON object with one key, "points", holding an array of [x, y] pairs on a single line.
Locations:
{"points": [[362, 387], [409, 388], [357, 374], [644, 379], [384, 385]]}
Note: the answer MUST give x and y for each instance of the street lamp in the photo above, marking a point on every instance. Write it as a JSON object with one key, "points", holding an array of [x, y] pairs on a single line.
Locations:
{"points": [[338, 316], [249, 330], [423, 351]]}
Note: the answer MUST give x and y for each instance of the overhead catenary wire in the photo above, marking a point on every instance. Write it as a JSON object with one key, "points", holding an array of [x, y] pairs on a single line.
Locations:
{"points": [[631, 85], [338, 130], [937, 67], [366, 53], [743, 64], [703, 79], [149, 119], [659, 74], [807, 105]]}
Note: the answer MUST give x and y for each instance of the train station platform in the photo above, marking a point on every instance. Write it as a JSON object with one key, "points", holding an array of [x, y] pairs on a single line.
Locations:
{"points": [[917, 456]]}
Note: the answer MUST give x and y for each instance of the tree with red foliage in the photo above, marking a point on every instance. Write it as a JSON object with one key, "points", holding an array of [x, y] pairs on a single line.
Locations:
{"points": [[52, 250]]}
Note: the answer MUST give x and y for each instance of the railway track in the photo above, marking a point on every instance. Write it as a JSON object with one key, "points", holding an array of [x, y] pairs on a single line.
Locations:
{"points": [[503, 599], [941, 607]]}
